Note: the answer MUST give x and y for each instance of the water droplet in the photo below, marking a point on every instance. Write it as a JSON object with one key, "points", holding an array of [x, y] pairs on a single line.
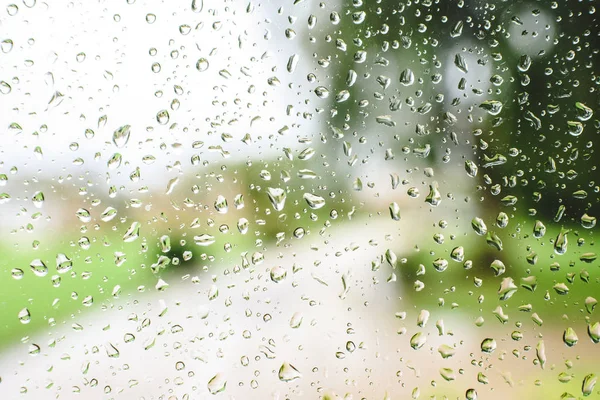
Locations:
{"points": [[204, 240], [446, 351], [589, 381], [315, 202], [584, 113], [407, 77], [38, 199], [458, 254], [457, 29], [111, 350], [24, 316], [63, 263], [12, 9], [296, 320], [278, 274], [570, 337], [6, 45], [38, 267], [539, 229], [561, 242], [5, 88], [594, 332], [121, 136], [292, 63], [288, 373], [395, 211], [471, 168], [132, 233], [498, 267], [306, 154], [561, 288], [494, 240], [165, 243], [461, 63], [83, 215], [221, 204], [115, 161], [242, 226], [540, 351], [587, 221], [217, 384], [17, 273], [440, 264], [418, 340], [385, 120], [471, 394], [197, 5], [434, 198], [202, 64], [493, 107], [108, 214], [277, 198], [590, 304], [322, 92], [479, 226], [163, 117], [448, 374]]}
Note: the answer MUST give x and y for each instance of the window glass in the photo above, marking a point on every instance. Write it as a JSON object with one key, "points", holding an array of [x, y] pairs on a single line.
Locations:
{"points": [[345, 199]]}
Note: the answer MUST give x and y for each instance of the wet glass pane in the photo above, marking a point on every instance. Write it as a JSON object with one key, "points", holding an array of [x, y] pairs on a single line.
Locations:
{"points": [[293, 199]]}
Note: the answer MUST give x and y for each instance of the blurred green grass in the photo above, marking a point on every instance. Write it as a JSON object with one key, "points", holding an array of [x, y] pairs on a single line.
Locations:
{"points": [[63, 303], [456, 285]]}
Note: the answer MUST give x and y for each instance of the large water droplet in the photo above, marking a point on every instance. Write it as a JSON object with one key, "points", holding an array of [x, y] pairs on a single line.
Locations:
{"points": [[493, 107], [277, 198], [202, 64], [63, 263], [315, 202], [418, 340], [38, 267], [133, 232], [288, 373], [121, 136], [479, 226], [24, 316], [197, 5], [217, 384], [38, 199], [162, 117], [204, 239]]}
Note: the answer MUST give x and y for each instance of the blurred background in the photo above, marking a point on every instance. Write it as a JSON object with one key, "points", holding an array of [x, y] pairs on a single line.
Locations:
{"points": [[348, 199]]}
